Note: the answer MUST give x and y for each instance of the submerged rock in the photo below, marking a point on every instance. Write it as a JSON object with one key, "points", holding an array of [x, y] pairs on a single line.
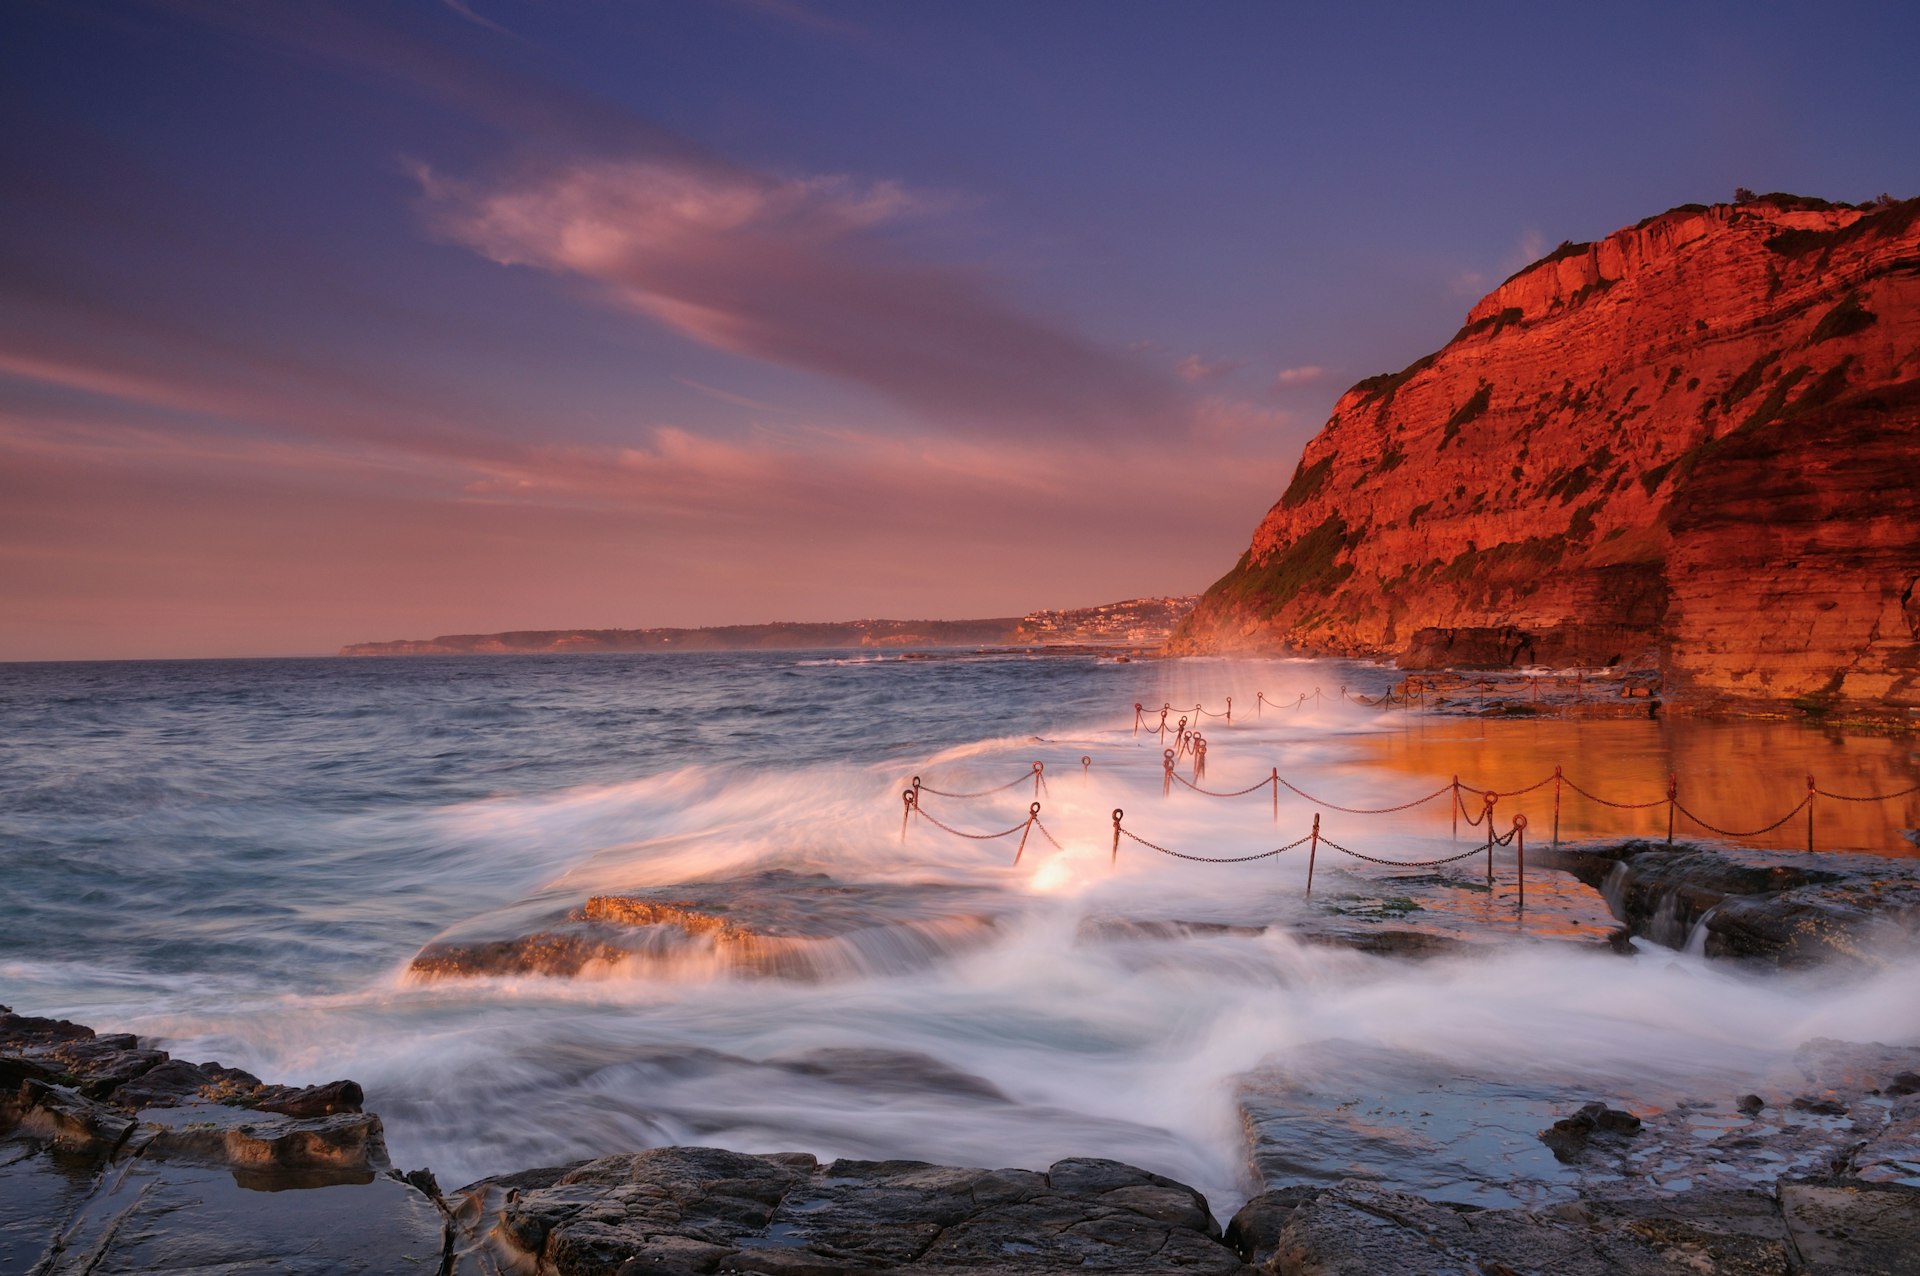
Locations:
{"points": [[698, 1210], [777, 923], [1786, 908]]}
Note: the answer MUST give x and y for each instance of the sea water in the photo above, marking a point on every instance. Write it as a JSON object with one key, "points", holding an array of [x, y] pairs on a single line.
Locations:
{"points": [[241, 859]]}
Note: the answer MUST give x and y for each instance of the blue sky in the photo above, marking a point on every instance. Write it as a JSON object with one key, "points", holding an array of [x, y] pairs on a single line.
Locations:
{"points": [[327, 322]]}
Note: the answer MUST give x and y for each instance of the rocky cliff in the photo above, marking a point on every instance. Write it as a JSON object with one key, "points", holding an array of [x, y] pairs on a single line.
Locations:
{"points": [[1694, 443]]}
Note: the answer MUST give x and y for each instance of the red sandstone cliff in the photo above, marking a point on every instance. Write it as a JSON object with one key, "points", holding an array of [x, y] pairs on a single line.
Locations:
{"points": [[1695, 442]]}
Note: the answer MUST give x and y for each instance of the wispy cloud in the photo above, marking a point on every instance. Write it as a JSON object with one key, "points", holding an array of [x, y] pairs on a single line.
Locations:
{"points": [[805, 273], [1197, 368], [1306, 374]]}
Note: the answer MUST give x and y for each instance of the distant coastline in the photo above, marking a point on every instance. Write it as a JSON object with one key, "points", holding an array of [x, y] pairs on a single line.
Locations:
{"points": [[1133, 622]]}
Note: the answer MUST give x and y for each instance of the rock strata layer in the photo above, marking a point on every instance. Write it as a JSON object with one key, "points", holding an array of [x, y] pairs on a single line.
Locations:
{"points": [[1677, 446]]}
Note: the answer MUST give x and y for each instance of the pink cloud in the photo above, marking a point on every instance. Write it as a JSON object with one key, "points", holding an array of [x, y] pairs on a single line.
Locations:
{"points": [[1308, 374], [805, 273]]}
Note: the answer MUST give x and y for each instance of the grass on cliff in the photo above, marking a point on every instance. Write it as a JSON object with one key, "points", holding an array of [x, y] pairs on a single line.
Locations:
{"points": [[1307, 482], [1309, 563], [1467, 412], [1846, 318]]}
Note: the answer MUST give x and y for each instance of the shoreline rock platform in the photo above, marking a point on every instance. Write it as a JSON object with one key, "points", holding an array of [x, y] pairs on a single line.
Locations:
{"points": [[116, 1157]]}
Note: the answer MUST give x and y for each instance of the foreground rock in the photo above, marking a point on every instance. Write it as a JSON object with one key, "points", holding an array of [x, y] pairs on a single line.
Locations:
{"points": [[116, 1157], [778, 923], [1779, 907], [700, 1210], [1385, 1168]]}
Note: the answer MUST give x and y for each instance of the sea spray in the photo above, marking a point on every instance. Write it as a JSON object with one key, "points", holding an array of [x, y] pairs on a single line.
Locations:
{"points": [[270, 918]]}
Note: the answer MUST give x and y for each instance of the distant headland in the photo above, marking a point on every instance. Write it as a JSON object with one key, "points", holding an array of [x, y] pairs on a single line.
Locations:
{"points": [[1134, 622]]}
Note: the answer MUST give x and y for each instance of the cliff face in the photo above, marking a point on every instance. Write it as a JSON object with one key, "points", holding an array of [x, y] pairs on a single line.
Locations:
{"points": [[1691, 443]]}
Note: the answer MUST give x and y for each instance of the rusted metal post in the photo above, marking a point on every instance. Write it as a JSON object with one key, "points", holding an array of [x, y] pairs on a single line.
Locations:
{"points": [[1811, 793], [1229, 708], [1259, 703], [1138, 709], [1486, 813], [1456, 807], [1033, 814], [1199, 757], [1117, 814], [1039, 777], [1557, 778], [1520, 854], [1313, 851], [1166, 771], [1086, 764], [906, 812], [1276, 795], [1673, 800]]}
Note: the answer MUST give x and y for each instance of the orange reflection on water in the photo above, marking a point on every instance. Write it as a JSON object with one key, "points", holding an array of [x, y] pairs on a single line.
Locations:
{"points": [[1739, 775]]}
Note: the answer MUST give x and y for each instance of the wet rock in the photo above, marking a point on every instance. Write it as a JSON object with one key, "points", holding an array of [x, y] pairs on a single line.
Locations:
{"points": [[705, 1210], [1568, 1137], [1751, 1104], [779, 923], [1358, 1229], [1770, 906], [889, 1071], [313, 1100], [1814, 1103], [1851, 1229], [347, 1145], [149, 1217], [71, 1122], [1254, 1231]]}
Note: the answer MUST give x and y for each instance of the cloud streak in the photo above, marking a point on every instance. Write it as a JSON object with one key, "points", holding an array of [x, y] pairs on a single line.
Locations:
{"points": [[804, 273]]}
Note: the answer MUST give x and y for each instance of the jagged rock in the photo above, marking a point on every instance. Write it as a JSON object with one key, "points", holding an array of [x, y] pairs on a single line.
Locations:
{"points": [[1768, 905], [705, 1210], [1358, 1229], [349, 1146], [1632, 448], [70, 1121], [776, 923], [1255, 1229], [1568, 1136]]}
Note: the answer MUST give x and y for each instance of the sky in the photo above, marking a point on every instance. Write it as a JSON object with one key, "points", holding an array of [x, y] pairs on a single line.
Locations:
{"points": [[328, 322]]}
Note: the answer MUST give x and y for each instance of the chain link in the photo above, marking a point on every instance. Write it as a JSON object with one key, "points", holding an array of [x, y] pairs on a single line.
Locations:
{"points": [[1211, 859], [927, 788], [1878, 797], [1374, 859], [1236, 793], [1618, 806], [976, 837], [1755, 833], [1362, 810]]}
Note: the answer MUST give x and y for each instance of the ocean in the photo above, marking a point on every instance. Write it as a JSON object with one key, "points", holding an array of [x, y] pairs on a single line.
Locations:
{"points": [[242, 859]]}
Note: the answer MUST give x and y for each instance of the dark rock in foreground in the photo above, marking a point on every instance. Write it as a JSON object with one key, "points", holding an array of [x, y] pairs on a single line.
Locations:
{"points": [[1788, 908], [701, 1210], [1361, 1229], [116, 1157]]}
